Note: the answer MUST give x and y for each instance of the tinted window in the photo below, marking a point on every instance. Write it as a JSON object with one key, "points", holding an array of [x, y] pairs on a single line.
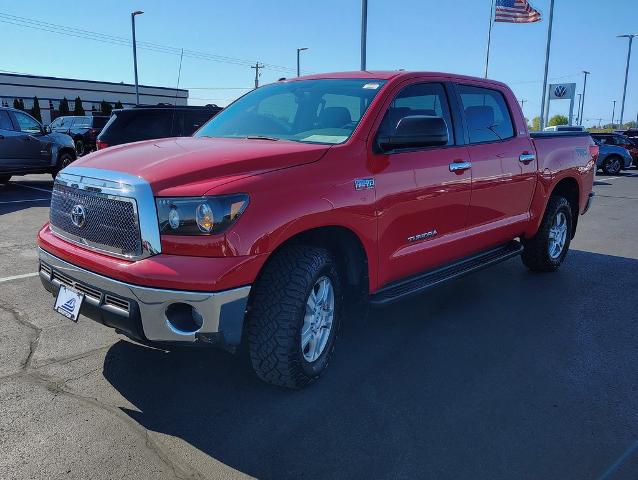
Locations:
{"points": [[5, 121], [486, 113], [314, 111], [145, 125], [56, 123], [99, 122], [190, 122], [26, 123], [427, 99]]}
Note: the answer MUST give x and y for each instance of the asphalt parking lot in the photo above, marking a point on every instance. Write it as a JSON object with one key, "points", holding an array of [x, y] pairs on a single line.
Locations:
{"points": [[502, 374]]}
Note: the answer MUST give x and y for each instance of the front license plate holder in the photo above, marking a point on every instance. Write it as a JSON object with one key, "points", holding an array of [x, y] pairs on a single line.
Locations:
{"points": [[69, 302]]}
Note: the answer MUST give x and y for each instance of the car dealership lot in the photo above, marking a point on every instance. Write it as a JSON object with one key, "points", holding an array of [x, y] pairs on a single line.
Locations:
{"points": [[502, 374]]}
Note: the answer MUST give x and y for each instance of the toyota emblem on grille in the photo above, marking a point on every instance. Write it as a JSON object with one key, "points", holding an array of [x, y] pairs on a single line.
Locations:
{"points": [[78, 216]]}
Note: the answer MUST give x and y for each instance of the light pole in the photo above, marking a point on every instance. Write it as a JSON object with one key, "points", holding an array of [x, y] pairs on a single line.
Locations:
{"points": [[137, 90], [624, 92], [299, 50], [580, 96], [582, 103], [364, 32], [613, 115]]}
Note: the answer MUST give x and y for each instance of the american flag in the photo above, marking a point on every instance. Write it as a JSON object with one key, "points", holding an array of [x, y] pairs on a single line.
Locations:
{"points": [[516, 11]]}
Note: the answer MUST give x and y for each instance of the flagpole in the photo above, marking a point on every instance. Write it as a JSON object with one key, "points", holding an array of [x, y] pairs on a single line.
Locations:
{"points": [[489, 37], [549, 44]]}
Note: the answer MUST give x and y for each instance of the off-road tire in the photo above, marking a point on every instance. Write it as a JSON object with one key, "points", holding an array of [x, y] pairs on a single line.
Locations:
{"points": [[276, 314], [5, 178], [63, 160], [535, 253], [607, 165]]}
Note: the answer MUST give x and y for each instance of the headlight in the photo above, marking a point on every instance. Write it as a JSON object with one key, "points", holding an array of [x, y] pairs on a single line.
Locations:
{"points": [[199, 215]]}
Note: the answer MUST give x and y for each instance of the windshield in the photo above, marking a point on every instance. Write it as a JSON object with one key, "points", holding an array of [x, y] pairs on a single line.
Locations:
{"points": [[311, 111]]}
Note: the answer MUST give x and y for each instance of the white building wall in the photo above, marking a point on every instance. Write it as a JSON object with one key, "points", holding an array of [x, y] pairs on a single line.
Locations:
{"points": [[52, 90]]}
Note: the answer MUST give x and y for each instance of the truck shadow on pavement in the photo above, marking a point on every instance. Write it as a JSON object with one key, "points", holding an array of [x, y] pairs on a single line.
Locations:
{"points": [[501, 374]]}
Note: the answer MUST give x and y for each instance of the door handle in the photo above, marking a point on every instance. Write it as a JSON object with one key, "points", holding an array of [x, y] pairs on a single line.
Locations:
{"points": [[527, 157], [460, 166]]}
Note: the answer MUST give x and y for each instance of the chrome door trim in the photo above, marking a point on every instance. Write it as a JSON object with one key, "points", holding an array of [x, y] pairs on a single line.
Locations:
{"points": [[527, 157]]}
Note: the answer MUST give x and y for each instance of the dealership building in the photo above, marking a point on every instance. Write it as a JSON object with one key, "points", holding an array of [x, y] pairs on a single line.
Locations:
{"points": [[51, 90]]}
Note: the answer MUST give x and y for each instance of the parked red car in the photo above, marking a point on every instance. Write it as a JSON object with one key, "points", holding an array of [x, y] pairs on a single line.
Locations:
{"points": [[301, 197]]}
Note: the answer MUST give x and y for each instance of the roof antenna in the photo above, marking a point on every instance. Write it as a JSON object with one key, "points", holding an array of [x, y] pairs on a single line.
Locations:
{"points": [[179, 75]]}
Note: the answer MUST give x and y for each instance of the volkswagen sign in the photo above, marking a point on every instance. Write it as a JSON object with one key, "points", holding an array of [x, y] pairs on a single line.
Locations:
{"points": [[560, 91], [78, 216]]}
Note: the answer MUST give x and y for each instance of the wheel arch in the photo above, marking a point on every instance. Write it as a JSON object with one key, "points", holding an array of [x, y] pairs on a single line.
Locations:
{"points": [[346, 246], [568, 187]]}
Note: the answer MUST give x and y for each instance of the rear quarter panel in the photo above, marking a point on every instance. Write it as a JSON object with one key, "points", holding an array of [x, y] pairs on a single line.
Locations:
{"points": [[559, 157]]}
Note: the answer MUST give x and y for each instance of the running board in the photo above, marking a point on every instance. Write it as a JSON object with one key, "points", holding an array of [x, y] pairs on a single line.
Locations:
{"points": [[404, 288]]}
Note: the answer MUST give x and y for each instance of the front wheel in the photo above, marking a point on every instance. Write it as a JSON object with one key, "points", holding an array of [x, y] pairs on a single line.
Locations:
{"points": [[294, 316], [64, 160], [546, 250], [613, 165]]}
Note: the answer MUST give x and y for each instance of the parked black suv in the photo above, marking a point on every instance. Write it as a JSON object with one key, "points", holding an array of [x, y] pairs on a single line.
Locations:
{"points": [[82, 129], [147, 123], [26, 147]]}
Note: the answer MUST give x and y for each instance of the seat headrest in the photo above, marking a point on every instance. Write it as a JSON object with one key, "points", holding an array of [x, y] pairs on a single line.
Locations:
{"points": [[479, 117], [334, 117]]}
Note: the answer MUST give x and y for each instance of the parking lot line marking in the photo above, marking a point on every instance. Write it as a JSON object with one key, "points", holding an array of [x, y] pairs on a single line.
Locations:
{"points": [[32, 188], [18, 277], [28, 200]]}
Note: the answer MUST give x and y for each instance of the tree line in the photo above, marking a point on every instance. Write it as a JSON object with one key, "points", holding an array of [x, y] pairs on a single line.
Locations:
{"points": [[556, 120], [64, 109]]}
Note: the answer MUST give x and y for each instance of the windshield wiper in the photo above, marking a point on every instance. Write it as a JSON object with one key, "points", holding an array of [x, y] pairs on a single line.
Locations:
{"points": [[261, 137]]}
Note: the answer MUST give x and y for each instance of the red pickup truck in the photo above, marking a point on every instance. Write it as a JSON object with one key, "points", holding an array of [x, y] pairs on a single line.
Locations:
{"points": [[304, 196]]}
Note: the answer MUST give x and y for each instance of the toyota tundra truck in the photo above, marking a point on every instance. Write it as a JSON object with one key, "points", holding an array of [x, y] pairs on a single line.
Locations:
{"points": [[301, 198]]}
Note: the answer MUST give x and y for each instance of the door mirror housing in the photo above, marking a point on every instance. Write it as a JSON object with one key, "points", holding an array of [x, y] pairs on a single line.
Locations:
{"points": [[416, 131]]}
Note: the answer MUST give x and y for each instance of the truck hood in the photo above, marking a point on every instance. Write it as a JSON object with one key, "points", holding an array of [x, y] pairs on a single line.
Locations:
{"points": [[192, 166]]}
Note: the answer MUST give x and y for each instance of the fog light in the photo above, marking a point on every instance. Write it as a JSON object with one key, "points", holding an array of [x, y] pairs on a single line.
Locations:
{"points": [[183, 318]]}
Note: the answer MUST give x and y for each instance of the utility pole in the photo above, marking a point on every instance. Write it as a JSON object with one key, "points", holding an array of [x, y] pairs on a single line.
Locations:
{"points": [[299, 50], [613, 115], [137, 89], [582, 103], [624, 92], [547, 52], [364, 32], [523, 104], [257, 66]]}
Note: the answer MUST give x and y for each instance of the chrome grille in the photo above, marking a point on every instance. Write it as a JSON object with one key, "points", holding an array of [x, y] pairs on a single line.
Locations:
{"points": [[111, 223]]}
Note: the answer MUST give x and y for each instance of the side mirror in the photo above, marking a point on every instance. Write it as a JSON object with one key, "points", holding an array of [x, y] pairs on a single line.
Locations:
{"points": [[46, 129], [415, 131]]}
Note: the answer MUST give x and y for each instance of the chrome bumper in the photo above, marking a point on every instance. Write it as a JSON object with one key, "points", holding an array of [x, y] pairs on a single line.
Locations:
{"points": [[122, 305]]}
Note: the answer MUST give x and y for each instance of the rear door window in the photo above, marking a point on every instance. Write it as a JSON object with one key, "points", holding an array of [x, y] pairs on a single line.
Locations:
{"points": [[487, 116]]}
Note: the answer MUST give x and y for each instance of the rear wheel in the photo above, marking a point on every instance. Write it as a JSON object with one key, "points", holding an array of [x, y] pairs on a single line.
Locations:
{"points": [[79, 147], [546, 251], [5, 178], [64, 160], [612, 165], [294, 316]]}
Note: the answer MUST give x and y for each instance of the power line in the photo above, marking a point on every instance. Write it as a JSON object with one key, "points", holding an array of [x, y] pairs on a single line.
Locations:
{"points": [[122, 41]]}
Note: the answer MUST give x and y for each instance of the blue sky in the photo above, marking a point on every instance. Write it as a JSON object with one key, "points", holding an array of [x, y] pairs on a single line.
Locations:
{"points": [[432, 35]]}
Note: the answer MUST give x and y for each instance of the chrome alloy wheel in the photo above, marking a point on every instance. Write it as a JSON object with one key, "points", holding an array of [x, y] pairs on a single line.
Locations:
{"points": [[557, 236], [317, 322]]}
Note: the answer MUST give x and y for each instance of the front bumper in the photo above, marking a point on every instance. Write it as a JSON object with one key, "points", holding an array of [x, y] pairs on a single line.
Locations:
{"points": [[141, 312]]}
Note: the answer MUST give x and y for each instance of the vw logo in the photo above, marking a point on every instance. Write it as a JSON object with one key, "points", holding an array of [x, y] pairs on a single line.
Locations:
{"points": [[560, 91], [78, 216]]}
